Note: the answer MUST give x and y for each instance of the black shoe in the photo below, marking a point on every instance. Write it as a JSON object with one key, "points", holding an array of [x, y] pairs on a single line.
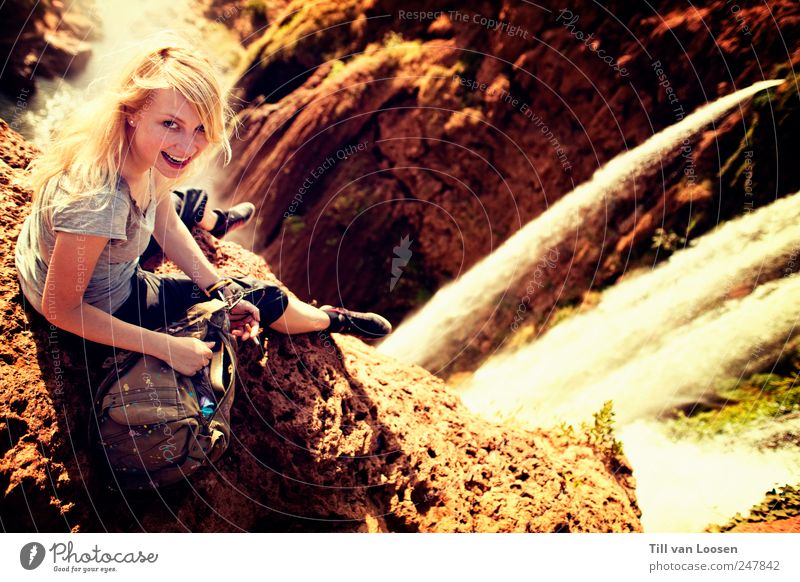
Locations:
{"points": [[236, 217], [355, 323]]}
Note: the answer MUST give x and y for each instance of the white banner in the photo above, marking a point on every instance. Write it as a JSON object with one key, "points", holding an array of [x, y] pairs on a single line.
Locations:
{"points": [[401, 557]]}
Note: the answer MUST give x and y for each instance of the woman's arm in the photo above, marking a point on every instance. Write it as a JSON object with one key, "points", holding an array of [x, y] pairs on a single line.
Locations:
{"points": [[62, 300], [180, 247]]}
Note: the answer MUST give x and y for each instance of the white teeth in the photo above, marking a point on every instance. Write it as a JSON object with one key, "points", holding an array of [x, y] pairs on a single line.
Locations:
{"points": [[176, 160]]}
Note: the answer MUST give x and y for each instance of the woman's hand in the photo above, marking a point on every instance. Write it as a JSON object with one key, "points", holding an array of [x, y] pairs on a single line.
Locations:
{"points": [[187, 355], [244, 320]]}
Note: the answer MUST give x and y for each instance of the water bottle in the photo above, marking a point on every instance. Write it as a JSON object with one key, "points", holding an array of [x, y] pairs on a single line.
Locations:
{"points": [[207, 406]]}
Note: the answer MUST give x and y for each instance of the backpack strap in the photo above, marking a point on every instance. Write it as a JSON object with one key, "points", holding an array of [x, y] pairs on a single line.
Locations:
{"points": [[217, 369]]}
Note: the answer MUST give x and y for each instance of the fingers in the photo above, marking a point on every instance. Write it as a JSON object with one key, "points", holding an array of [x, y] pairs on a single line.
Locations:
{"points": [[251, 309], [245, 311], [251, 332]]}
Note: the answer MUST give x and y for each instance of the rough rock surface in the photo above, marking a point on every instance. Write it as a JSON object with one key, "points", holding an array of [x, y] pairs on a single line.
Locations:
{"points": [[791, 525], [247, 20], [328, 437], [457, 168], [44, 39]]}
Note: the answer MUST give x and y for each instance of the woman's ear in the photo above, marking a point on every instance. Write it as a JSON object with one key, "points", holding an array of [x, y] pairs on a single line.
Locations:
{"points": [[132, 118]]}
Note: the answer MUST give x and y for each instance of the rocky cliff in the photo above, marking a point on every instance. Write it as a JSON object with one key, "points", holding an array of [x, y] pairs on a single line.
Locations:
{"points": [[328, 437], [44, 38], [370, 123]]}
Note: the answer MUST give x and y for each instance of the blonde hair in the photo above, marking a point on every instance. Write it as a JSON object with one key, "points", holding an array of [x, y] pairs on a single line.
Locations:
{"points": [[90, 144]]}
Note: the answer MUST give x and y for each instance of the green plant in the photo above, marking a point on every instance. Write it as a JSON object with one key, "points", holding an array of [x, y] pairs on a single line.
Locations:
{"points": [[294, 224], [745, 402], [256, 7], [667, 240], [562, 314], [337, 66], [600, 435], [393, 39]]}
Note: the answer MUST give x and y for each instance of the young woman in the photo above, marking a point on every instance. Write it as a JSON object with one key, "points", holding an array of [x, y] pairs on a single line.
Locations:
{"points": [[105, 186]]}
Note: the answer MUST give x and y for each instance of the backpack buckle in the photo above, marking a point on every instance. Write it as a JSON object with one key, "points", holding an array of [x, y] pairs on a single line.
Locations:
{"points": [[230, 300], [234, 299]]}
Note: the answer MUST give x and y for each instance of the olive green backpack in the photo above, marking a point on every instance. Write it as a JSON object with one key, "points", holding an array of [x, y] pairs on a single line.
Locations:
{"points": [[148, 420]]}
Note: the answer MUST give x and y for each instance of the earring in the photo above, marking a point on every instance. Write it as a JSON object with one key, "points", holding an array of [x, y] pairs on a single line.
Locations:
{"points": [[130, 122]]}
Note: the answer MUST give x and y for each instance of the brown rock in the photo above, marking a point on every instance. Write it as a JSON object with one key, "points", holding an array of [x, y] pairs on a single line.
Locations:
{"points": [[791, 525], [328, 437], [44, 39]]}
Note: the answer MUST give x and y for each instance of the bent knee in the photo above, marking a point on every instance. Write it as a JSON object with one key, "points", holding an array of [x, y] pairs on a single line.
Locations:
{"points": [[276, 305], [270, 299]]}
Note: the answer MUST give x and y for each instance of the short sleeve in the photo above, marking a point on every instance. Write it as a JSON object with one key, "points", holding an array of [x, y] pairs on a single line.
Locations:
{"points": [[105, 214]]}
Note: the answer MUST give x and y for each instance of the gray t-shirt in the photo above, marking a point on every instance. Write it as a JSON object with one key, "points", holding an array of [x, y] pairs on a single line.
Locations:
{"points": [[112, 214]]}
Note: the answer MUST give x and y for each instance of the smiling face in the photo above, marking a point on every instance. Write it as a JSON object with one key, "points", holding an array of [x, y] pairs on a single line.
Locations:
{"points": [[166, 134]]}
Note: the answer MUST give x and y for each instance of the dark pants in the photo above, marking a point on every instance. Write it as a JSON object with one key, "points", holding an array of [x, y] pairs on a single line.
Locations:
{"points": [[190, 206], [158, 300]]}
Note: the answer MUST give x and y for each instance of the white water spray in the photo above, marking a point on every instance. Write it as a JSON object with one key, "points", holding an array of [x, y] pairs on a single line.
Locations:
{"points": [[437, 333], [685, 486], [670, 366], [661, 338]]}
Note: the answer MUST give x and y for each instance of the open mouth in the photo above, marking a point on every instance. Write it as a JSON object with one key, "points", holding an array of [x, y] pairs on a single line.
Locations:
{"points": [[175, 162]]}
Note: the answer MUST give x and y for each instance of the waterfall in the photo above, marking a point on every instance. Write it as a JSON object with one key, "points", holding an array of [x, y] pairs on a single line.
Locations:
{"points": [[669, 366], [663, 337], [436, 334], [685, 486]]}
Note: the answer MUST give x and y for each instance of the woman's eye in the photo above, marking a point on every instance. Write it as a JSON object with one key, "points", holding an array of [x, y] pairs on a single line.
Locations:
{"points": [[168, 122]]}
